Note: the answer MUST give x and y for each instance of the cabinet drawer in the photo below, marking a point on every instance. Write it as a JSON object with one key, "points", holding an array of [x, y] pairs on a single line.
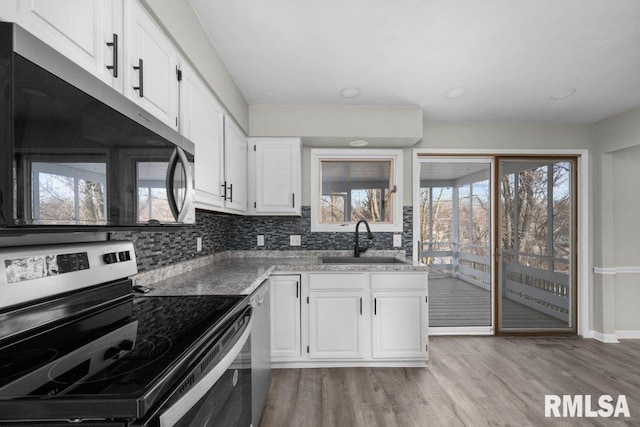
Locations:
{"points": [[395, 281], [337, 281]]}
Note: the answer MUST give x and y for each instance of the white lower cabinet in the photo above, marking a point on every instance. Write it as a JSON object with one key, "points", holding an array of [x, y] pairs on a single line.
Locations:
{"points": [[398, 324], [350, 319], [285, 317], [336, 325]]}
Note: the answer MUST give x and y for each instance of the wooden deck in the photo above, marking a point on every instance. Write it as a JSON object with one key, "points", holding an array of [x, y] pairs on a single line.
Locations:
{"points": [[454, 302]]}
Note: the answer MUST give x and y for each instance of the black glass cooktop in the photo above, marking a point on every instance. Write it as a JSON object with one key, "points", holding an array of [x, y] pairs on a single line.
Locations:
{"points": [[129, 353]]}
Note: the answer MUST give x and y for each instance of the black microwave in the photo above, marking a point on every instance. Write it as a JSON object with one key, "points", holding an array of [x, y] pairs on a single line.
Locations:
{"points": [[75, 152]]}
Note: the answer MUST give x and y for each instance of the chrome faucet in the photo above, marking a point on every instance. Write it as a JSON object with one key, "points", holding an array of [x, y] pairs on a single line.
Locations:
{"points": [[357, 251]]}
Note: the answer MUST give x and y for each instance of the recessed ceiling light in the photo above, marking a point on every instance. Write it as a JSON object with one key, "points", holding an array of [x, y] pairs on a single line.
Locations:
{"points": [[350, 92], [358, 143], [454, 93], [563, 93]]}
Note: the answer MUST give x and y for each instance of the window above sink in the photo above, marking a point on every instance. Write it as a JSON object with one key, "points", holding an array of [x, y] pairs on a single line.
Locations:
{"points": [[349, 185]]}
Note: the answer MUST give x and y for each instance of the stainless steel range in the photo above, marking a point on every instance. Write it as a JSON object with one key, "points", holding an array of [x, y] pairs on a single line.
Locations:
{"points": [[76, 345]]}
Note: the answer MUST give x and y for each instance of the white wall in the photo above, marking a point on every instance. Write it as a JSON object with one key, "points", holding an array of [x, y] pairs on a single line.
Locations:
{"points": [[331, 126], [616, 176], [183, 26], [626, 237]]}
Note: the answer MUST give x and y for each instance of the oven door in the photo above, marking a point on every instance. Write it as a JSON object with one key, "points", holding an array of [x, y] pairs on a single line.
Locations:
{"points": [[221, 396]]}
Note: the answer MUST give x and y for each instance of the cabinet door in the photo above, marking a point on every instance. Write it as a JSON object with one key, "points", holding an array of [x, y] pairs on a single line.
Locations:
{"points": [[153, 83], [235, 152], [336, 325], [202, 122], [79, 29], [285, 317], [277, 175], [399, 324]]}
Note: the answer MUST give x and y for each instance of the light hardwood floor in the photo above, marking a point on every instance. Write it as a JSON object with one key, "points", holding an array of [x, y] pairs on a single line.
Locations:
{"points": [[469, 381]]}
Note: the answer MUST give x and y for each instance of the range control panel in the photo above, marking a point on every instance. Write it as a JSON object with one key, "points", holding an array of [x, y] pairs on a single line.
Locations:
{"points": [[29, 273], [39, 266], [113, 257]]}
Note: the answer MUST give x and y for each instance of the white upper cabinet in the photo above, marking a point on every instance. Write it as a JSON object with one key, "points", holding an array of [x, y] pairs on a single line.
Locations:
{"points": [[202, 122], [119, 42], [275, 176], [150, 77], [235, 166], [87, 32]]}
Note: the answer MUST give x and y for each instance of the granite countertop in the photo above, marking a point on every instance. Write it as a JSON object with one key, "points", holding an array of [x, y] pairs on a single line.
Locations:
{"points": [[240, 273]]}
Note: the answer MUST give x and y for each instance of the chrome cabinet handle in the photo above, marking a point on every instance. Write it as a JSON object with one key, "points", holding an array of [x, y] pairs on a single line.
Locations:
{"points": [[140, 87], [224, 188], [114, 45], [230, 193]]}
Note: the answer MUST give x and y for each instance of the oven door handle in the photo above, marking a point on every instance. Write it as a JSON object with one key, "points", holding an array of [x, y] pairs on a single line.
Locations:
{"points": [[172, 415]]}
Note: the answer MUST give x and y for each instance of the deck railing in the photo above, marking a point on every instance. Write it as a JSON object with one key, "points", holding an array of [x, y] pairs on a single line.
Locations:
{"points": [[544, 289], [523, 280]]}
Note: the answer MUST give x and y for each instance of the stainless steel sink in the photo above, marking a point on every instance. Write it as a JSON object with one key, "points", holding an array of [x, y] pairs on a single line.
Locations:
{"points": [[360, 260]]}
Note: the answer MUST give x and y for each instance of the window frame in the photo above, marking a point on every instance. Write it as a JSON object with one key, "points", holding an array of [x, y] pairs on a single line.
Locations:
{"points": [[318, 155]]}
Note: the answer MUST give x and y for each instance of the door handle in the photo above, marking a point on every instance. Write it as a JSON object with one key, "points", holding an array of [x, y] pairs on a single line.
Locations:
{"points": [[375, 306], [230, 193], [360, 305], [224, 188], [140, 87], [114, 44], [179, 212]]}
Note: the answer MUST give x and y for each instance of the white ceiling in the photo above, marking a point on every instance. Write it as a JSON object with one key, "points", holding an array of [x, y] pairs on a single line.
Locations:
{"points": [[510, 55]]}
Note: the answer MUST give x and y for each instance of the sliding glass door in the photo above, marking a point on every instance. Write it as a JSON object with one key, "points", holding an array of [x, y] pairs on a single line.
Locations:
{"points": [[498, 234], [536, 237], [455, 242]]}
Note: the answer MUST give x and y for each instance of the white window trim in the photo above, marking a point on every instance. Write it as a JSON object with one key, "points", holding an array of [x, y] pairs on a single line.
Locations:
{"points": [[364, 154]]}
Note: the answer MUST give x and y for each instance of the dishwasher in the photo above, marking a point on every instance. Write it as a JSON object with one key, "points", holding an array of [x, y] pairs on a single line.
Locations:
{"points": [[260, 350]]}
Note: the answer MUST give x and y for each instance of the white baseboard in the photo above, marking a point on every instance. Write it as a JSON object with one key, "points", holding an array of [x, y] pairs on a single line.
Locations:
{"points": [[628, 335], [347, 364], [605, 338], [468, 330]]}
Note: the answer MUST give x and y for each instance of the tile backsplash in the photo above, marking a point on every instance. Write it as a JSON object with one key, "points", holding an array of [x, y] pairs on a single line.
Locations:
{"points": [[156, 249], [221, 232], [276, 231]]}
